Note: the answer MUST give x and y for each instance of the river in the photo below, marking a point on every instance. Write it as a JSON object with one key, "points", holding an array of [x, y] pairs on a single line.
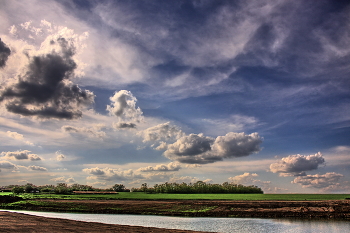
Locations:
{"points": [[225, 225]]}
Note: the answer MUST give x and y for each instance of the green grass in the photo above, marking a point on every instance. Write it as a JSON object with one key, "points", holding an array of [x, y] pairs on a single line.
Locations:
{"points": [[5, 193], [162, 196], [61, 206]]}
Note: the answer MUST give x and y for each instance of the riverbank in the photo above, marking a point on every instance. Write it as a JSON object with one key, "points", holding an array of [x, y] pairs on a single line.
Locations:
{"points": [[15, 222], [329, 209]]}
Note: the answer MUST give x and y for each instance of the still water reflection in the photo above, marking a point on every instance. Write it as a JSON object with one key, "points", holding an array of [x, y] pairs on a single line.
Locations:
{"points": [[240, 225]]}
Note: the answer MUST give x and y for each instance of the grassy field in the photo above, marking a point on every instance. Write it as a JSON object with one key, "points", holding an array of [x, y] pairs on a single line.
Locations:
{"points": [[140, 196]]}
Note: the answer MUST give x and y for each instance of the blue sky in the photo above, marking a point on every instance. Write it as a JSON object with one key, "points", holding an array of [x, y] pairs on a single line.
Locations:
{"points": [[132, 92]]}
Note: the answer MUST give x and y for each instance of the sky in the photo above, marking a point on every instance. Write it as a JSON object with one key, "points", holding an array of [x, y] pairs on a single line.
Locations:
{"points": [[130, 92]]}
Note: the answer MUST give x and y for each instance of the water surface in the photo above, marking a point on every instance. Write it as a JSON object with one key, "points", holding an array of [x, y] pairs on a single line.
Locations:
{"points": [[241, 225]]}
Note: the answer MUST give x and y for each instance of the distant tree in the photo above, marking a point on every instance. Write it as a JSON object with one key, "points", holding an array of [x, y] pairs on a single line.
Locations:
{"points": [[144, 187], [80, 187], [62, 188], [119, 188], [28, 188], [47, 188], [17, 190]]}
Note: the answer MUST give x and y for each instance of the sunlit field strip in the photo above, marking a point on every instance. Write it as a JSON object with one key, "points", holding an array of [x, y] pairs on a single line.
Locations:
{"points": [[140, 196]]}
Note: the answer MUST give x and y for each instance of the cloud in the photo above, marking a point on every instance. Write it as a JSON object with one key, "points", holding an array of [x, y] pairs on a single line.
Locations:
{"points": [[208, 181], [235, 123], [161, 168], [36, 168], [109, 174], [15, 135], [60, 156], [7, 165], [123, 105], [124, 125], [154, 177], [248, 179], [70, 180], [44, 89], [20, 155], [90, 132], [63, 179], [244, 178], [297, 164], [327, 182], [199, 149], [237, 144], [19, 137], [183, 179], [251, 179], [188, 147], [4, 53], [193, 165], [159, 132]]}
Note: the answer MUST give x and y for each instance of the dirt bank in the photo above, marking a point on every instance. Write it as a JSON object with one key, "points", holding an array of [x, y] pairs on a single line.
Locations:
{"points": [[14, 222], [339, 209]]}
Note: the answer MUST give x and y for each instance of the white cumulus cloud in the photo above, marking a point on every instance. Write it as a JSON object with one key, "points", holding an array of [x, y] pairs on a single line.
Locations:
{"points": [[123, 105], [326, 182], [36, 168], [109, 174], [161, 167], [200, 149], [297, 164], [164, 131], [20, 155]]}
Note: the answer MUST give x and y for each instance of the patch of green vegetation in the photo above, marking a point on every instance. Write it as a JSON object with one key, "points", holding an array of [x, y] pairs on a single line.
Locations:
{"points": [[43, 205], [165, 196], [5, 193], [202, 210], [114, 208], [18, 203], [79, 209]]}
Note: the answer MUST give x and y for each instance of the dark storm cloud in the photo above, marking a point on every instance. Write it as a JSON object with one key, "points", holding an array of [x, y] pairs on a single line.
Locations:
{"points": [[4, 53], [45, 90]]}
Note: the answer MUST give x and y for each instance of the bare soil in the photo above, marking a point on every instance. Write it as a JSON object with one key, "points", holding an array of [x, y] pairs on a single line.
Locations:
{"points": [[14, 222], [335, 209]]}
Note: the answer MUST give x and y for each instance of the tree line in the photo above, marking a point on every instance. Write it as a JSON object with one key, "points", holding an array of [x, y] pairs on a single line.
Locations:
{"points": [[198, 187], [60, 188], [184, 188]]}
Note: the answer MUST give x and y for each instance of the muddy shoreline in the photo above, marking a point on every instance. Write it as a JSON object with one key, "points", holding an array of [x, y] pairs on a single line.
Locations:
{"points": [[334, 209], [15, 222]]}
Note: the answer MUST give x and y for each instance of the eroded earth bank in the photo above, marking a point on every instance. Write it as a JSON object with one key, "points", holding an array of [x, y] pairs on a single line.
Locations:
{"points": [[334, 209]]}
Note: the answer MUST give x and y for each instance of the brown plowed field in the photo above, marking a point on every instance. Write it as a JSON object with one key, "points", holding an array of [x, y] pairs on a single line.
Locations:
{"points": [[339, 209]]}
